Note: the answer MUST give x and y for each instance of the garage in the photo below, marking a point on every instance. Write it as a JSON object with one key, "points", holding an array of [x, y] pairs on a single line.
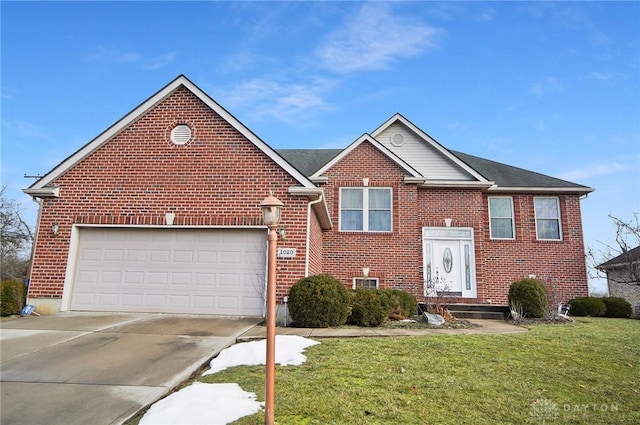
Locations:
{"points": [[175, 270]]}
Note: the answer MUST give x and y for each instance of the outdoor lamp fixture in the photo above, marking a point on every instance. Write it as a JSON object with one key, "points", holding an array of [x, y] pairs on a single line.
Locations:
{"points": [[271, 207], [55, 228]]}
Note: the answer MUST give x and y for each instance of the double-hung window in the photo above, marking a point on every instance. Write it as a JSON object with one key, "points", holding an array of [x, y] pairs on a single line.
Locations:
{"points": [[501, 217], [547, 210], [365, 209]]}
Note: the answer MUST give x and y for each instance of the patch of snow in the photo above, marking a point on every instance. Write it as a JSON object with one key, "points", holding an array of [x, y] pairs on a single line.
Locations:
{"points": [[206, 404], [289, 349], [220, 404]]}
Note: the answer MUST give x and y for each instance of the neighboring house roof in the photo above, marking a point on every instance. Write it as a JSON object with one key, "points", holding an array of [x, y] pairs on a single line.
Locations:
{"points": [[627, 257]]}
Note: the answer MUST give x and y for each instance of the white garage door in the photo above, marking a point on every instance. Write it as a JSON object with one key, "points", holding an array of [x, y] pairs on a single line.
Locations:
{"points": [[210, 271]]}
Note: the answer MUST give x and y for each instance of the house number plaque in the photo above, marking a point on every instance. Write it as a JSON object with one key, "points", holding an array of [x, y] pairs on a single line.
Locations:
{"points": [[286, 252]]}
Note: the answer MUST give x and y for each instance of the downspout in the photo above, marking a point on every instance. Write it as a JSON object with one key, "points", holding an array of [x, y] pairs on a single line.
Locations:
{"points": [[306, 261], [34, 242]]}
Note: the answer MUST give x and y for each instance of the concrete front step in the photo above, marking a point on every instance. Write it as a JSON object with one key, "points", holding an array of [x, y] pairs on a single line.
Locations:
{"points": [[466, 314]]}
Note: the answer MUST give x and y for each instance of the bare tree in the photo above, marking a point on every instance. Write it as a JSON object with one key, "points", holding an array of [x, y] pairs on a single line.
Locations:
{"points": [[622, 260], [16, 239]]}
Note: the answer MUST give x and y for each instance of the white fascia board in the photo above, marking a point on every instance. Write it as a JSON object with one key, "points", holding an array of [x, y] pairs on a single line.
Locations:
{"points": [[415, 180], [457, 184], [320, 179], [428, 139], [136, 113], [368, 138], [45, 192], [573, 190]]}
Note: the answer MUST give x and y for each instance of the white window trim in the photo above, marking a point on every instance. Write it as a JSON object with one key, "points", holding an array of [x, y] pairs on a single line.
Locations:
{"points": [[513, 218], [545, 218], [365, 209], [368, 279]]}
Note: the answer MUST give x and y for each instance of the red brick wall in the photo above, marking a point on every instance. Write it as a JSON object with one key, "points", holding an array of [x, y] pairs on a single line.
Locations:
{"points": [[396, 258], [560, 264], [218, 178]]}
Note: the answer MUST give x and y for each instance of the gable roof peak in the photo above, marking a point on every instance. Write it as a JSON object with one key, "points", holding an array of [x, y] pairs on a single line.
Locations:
{"points": [[36, 189], [366, 137]]}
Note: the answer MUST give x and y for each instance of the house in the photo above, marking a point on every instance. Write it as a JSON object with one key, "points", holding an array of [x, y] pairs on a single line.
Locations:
{"points": [[623, 277], [160, 213]]}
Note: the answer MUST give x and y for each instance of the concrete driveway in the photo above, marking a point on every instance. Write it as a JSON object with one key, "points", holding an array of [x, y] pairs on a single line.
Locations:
{"points": [[99, 368]]}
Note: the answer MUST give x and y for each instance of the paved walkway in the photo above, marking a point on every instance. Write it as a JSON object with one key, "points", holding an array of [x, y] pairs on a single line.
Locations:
{"points": [[484, 327]]}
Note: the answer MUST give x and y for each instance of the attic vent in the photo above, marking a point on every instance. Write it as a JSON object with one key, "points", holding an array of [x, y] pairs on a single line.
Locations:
{"points": [[181, 134], [397, 139]]}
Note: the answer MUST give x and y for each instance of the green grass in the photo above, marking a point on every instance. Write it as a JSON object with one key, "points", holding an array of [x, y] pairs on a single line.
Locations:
{"points": [[583, 373]]}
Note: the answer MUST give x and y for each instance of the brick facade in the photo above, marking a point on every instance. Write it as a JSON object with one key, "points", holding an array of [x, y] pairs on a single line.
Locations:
{"points": [[219, 178], [396, 258]]}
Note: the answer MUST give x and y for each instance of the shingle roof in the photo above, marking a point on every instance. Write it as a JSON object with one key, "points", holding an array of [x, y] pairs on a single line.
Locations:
{"points": [[308, 161], [627, 257], [508, 176]]}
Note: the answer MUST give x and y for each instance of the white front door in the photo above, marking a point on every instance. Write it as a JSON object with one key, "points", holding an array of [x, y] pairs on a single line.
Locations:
{"points": [[449, 263], [446, 273]]}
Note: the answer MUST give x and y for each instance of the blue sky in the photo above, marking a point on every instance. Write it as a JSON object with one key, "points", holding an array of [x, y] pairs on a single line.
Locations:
{"points": [[549, 87]]}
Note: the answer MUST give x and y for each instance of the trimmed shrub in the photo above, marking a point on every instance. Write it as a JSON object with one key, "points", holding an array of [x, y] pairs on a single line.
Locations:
{"points": [[587, 306], [370, 307], [319, 302], [530, 296], [13, 296], [403, 303], [617, 307]]}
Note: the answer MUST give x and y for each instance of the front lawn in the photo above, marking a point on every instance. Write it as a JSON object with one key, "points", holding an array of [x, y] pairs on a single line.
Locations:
{"points": [[582, 373]]}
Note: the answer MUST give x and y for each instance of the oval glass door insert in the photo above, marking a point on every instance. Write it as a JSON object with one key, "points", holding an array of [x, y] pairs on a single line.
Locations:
{"points": [[447, 260]]}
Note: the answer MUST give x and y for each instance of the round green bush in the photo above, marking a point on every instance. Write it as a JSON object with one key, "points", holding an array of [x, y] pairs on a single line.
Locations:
{"points": [[617, 307], [530, 295], [404, 304], [370, 307], [587, 306], [318, 302], [13, 296]]}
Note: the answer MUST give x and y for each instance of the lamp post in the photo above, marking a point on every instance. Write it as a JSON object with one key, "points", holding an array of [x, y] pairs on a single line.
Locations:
{"points": [[271, 207]]}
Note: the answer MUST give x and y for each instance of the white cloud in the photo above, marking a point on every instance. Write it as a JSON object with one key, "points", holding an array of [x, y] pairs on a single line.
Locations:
{"points": [[288, 102], [159, 61], [545, 86], [592, 170], [115, 56], [373, 39]]}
